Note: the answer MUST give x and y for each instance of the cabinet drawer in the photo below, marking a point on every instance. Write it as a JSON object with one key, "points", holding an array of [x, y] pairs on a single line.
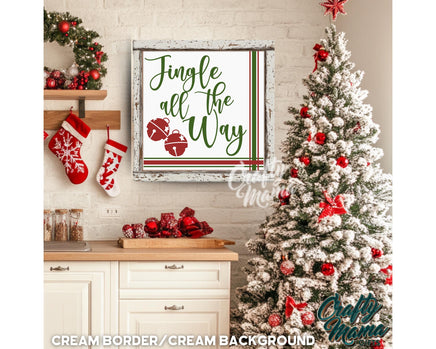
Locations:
{"points": [[175, 275], [174, 317]]}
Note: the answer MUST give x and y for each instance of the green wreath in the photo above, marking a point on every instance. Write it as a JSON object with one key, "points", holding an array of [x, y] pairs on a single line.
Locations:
{"points": [[87, 71]]}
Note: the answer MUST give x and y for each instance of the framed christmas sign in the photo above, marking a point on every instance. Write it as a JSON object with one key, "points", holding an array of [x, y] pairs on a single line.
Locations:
{"points": [[202, 110]]}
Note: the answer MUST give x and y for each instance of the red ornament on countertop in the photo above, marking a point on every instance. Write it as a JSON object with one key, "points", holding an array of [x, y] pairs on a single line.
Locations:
{"points": [[287, 267], [176, 144], [168, 221], [187, 212], [158, 129], [327, 269], [320, 55], [305, 160], [284, 196], [342, 161], [275, 320], [294, 172], [128, 231], [138, 230], [151, 226], [376, 253], [50, 83], [307, 318], [320, 138]]}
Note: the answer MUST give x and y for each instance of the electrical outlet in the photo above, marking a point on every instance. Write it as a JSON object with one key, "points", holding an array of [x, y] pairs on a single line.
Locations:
{"points": [[110, 212]]}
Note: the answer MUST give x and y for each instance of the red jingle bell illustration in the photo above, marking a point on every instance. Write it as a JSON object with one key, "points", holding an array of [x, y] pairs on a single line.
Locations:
{"points": [[158, 129], [176, 143]]}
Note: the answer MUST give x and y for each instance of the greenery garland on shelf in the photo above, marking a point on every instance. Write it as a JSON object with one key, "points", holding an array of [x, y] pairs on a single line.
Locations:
{"points": [[87, 70]]}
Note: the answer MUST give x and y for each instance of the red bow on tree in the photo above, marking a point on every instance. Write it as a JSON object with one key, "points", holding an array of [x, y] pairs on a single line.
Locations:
{"points": [[331, 207], [290, 305], [388, 272]]}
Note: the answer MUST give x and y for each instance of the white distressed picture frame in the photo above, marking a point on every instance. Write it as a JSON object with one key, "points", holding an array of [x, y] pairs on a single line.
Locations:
{"points": [[140, 172]]}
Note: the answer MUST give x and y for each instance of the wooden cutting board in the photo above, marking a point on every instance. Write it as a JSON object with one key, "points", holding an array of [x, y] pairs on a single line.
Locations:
{"points": [[173, 243]]}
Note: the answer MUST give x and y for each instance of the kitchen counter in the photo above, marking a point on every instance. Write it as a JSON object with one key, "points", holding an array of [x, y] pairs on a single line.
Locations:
{"points": [[111, 251]]}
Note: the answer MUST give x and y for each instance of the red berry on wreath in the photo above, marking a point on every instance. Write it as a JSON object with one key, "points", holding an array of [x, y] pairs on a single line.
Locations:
{"points": [[342, 161], [327, 269], [304, 112], [94, 73], [320, 138], [305, 160], [376, 253], [158, 129], [63, 26], [287, 267], [74, 23], [176, 144], [284, 196], [307, 318], [294, 172], [275, 320]]}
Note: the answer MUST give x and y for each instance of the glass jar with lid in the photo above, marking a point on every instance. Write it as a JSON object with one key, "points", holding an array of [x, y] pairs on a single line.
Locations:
{"points": [[48, 225], [61, 225], [76, 224]]}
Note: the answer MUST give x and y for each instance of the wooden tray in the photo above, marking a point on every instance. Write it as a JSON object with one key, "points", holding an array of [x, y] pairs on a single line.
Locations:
{"points": [[173, 243]]}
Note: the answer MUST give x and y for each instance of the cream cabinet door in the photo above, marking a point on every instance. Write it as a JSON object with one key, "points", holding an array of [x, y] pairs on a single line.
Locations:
{"points": [[173, 317], [78, 299]]}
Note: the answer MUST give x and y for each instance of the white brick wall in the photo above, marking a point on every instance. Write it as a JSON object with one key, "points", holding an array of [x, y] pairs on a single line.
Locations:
{"points": [[294, 25]]}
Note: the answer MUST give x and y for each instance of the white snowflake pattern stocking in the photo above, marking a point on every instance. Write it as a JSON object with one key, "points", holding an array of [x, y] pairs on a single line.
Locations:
{"points": [[66, 145], [113, 153]]}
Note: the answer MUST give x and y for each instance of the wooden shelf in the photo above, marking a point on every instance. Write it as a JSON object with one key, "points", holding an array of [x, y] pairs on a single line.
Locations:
{"points": [[95, 119], [74, 94]]}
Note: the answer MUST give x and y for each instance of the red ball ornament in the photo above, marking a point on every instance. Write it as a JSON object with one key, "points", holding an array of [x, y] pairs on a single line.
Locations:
{"points": [[74, 23], [378, 344], [56, 74], [50, 83], [307, 318], [320, 138], [176, 144], [63, 26], [342, 161], [151, 225], [158, 129], [294, 172], [287, 267], [327, 269], [304, 112], [376, 253], [284, 196], [322, 55], [305, 160], [128, 231], [275, 320], [95, 74]]}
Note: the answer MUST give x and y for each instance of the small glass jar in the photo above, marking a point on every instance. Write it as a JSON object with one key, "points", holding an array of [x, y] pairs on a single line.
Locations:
{"points": [[48, 225], [61, 225], [76, 224]]}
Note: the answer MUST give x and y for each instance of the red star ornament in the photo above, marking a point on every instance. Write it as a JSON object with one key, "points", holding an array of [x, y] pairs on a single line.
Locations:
{"points": [[333, 7]]}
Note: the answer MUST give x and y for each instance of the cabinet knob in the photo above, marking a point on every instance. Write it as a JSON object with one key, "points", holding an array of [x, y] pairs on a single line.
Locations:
{"points": [[174, 266], [59, 268], [175, 307]]}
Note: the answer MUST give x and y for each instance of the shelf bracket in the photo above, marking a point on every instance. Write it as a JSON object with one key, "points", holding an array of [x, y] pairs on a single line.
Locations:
{"points": [[82, 107]]}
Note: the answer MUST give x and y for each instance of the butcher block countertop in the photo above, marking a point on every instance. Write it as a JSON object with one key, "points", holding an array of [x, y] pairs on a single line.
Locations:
{"points": [[111, 251]]}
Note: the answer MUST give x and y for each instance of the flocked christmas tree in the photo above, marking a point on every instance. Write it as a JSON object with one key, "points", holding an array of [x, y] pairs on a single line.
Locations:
{"points": [[330, 230]]}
